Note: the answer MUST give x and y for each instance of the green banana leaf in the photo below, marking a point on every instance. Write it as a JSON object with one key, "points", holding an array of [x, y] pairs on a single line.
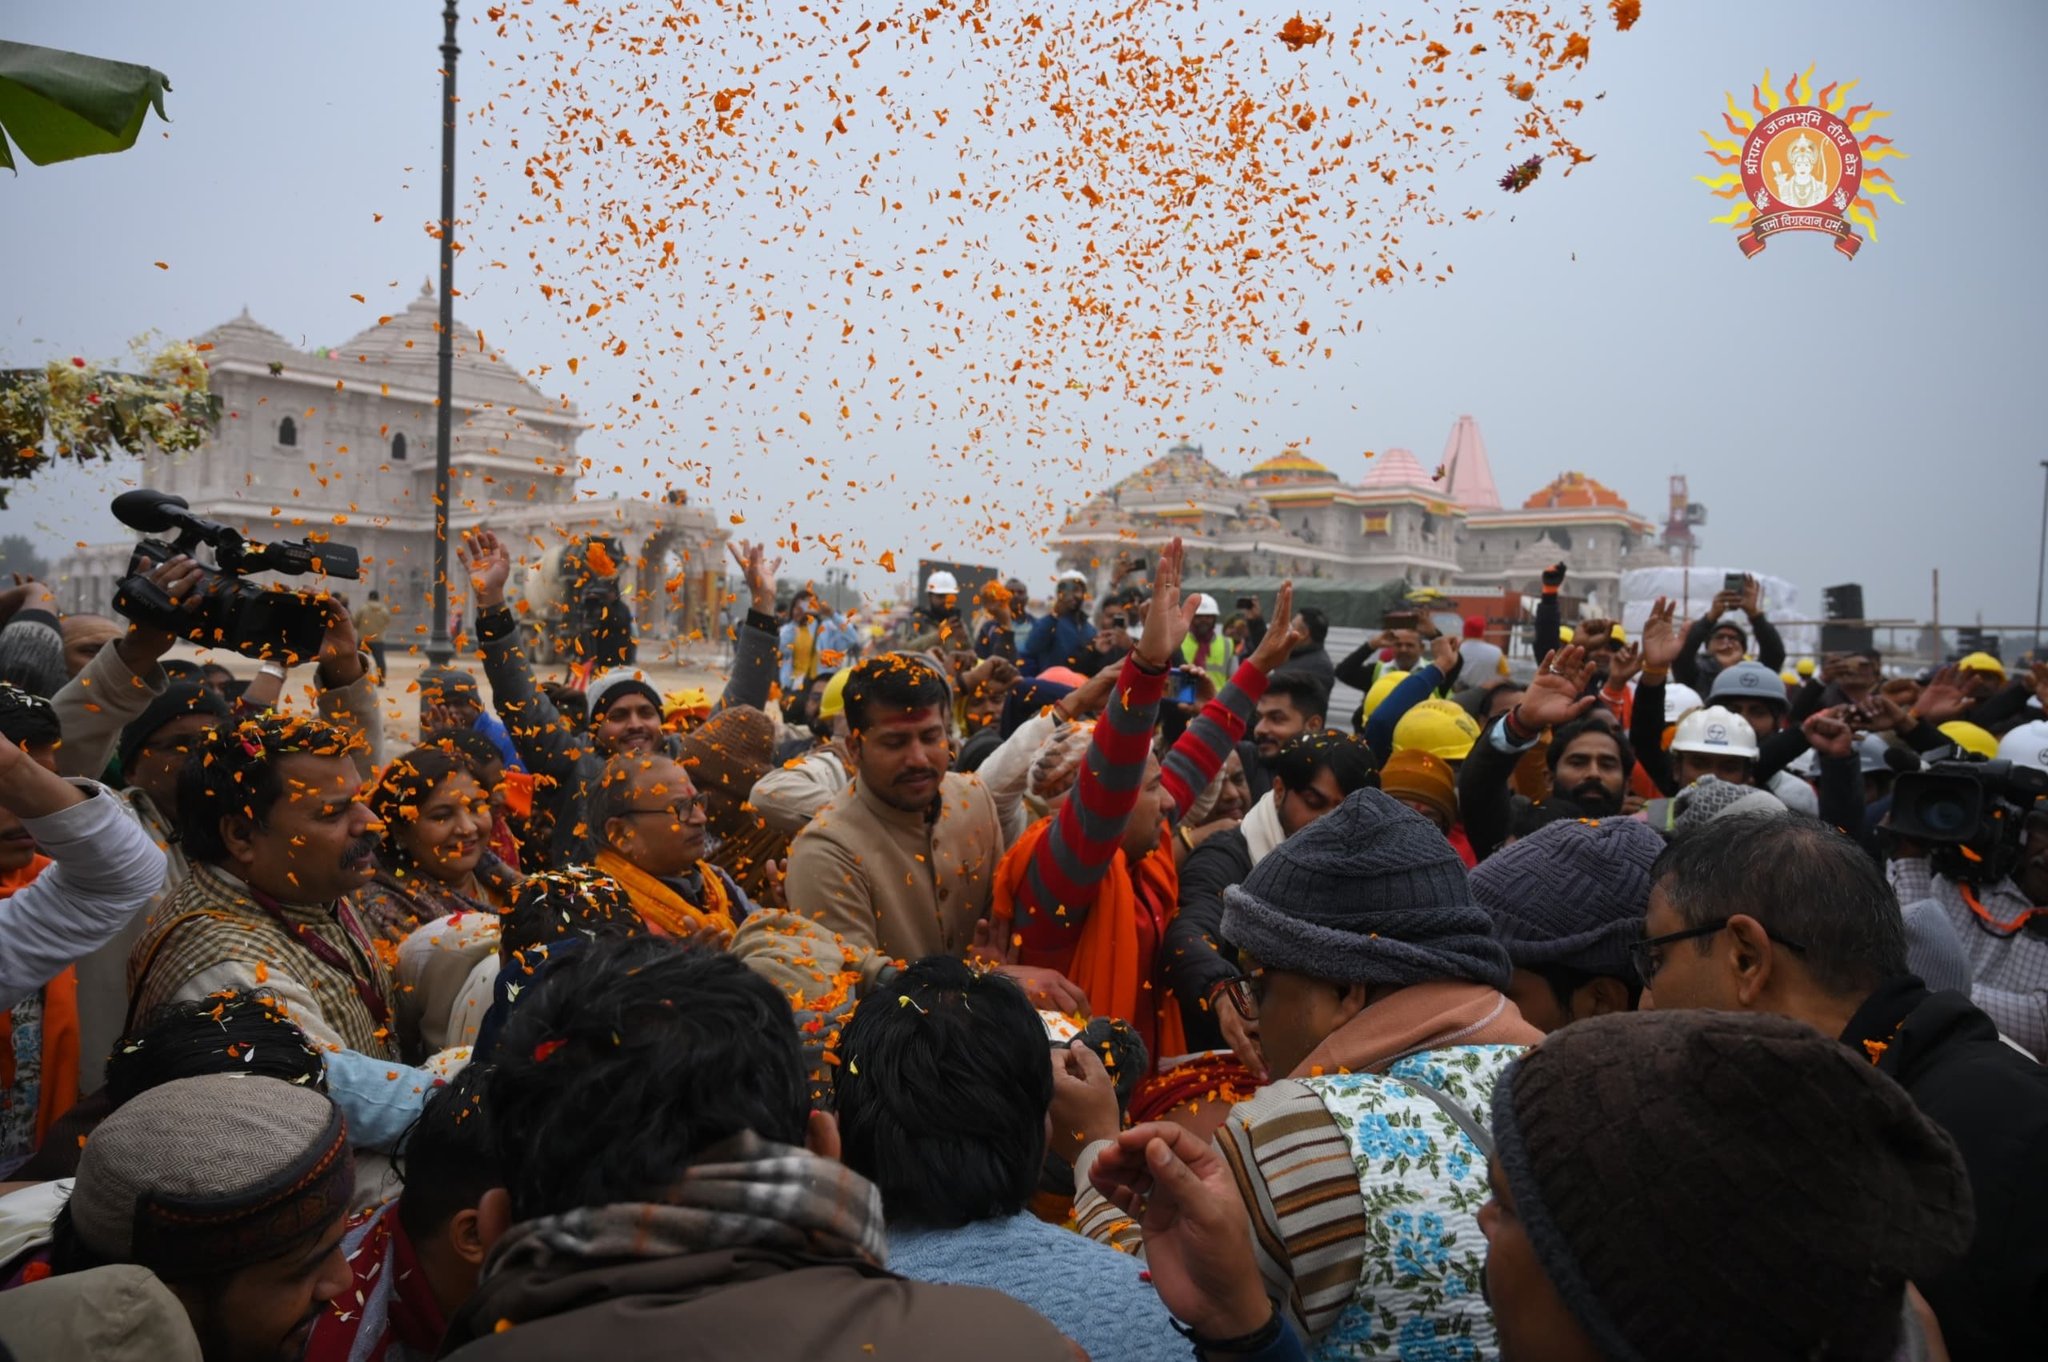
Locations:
{"points": [[60, 105]]}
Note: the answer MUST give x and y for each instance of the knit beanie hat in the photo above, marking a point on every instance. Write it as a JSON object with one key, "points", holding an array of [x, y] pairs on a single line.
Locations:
{"points": [[1416, 774], [608, 687], [1370, 893], [205, 1176], [179, 699], [26, 717], [1708, 1185], [1571, 893], [447, 685], [1710, 797]]}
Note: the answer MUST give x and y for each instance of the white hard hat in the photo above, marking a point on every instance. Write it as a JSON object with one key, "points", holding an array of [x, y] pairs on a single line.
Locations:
{"points": [[1872, 751], [1679, 699], [1072, 575], [941, 584], [1715, 731], [1205, 605], [2026, 745]]}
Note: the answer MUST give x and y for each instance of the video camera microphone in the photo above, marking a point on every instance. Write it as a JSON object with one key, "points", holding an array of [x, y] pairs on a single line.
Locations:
{"points": [[154, 512]]}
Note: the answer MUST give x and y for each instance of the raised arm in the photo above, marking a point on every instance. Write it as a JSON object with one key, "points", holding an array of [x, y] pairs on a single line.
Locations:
{"points": [[347, 694], [1555, 697], [1547, 633], [1202, 749], [538, 730], [1077, 852], [105, 869], [1661, 649], [755, 641]]}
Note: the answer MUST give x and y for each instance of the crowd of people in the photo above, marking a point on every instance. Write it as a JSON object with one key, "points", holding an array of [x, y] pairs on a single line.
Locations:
{"points": [[1018, 985]]}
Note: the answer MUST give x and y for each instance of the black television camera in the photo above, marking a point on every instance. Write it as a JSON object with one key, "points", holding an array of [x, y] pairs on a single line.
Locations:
{"points": [[1969, 814], [256, 621]]}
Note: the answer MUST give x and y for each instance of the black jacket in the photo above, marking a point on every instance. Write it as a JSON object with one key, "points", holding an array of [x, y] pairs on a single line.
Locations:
{"points": [[1197, 956], [1993, 1102]]}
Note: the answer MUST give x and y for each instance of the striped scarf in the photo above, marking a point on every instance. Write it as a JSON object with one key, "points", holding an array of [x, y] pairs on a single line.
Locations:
{"points": [[741, 1191], [212, 919]]}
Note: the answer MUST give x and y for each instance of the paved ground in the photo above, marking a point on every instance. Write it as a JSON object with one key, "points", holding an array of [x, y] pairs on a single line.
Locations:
{"points": [[668, 669]]}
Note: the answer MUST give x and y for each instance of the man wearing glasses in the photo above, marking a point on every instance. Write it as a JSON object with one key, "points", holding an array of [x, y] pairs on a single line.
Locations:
{"points": [[1782, 914], [651, 830]]}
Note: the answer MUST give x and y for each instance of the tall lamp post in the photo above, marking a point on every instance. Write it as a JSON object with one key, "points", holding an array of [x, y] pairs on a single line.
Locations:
{"points": [[439, 647]]}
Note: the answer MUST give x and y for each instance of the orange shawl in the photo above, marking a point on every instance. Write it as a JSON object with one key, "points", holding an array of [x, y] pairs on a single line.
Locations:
{"points": [[666, 912], [1106, 959], [57, 1092]]}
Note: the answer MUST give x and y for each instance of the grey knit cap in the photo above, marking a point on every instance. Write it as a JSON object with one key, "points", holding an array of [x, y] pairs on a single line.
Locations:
{"points": [[1700, 1186], [1710, 797], [205, 1176], [1571, 893], [1370, 893]]}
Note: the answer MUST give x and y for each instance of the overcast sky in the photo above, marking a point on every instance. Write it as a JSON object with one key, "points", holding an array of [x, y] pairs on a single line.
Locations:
{"points": [[1865, 420]]}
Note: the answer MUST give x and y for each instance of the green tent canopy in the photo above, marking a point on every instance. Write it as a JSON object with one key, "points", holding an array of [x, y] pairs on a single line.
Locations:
{"points": [[60, 105], [1349, 605]]}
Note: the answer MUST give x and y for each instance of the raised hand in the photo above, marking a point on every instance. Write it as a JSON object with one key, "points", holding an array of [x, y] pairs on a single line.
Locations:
{"points": [[1661, 640], [1751, 602], [1556, 694], [1443, 654], [490, 567], [1625, 665], [1942, 698], [1279, 644], [1828, 732], [1084, 1107], [341, 652], [1198, 1237], [753, 563], [1167, 617]]}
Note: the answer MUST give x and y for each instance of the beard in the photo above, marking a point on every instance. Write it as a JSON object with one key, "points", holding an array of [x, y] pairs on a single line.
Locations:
{"points": [[1595, 798]]}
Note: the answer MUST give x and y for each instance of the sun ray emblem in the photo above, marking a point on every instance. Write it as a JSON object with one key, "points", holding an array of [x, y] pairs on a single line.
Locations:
{"points": [[1801, 162]]}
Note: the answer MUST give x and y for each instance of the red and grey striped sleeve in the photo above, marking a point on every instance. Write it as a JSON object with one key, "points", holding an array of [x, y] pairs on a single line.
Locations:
{"points": [[1072, 858], [1205, 746]]}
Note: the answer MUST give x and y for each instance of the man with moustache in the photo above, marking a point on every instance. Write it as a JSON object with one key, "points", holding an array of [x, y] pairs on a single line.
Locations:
{"points": [[271, 817], [903, 860], [1588, 759]]}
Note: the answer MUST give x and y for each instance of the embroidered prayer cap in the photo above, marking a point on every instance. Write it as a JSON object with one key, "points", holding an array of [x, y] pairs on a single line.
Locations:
{"points": [[206, 1176]]}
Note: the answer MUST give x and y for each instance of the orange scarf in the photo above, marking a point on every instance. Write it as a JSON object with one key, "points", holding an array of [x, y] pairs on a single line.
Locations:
{"points": [[666, 912], [57, 1092], [1104, 960]]}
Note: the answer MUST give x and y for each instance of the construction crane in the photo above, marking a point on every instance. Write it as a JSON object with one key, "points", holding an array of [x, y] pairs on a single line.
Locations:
{"points": [[1678, 537]]}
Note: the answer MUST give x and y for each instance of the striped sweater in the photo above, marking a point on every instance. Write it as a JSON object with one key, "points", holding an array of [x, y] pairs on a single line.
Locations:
{"points": [[1071, 862], [1364, 1194]]}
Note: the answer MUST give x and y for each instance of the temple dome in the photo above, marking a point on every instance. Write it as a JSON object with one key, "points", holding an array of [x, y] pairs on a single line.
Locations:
{"points": [[1575, 491], [1290, 465], [1397, 470]]}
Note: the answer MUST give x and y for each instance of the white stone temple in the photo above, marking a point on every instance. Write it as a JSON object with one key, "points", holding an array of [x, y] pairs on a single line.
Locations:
{"points": [[338, 443], [1292, 516]]}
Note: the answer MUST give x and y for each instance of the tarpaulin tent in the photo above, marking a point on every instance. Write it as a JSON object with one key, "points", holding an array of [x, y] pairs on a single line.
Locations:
{"points": [[58, 105]]}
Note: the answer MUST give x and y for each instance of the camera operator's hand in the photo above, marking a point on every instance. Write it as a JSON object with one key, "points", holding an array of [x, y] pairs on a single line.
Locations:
{"points": [[144, 644], [28, 789], [490, 567], [341, 652]]}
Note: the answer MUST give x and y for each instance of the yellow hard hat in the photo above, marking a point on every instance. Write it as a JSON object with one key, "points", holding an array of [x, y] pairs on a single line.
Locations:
{"points": [[1982, 662], [833, 703], [1565, 633], [1970, 738], [1618, 634], [1789, 678], [1805, 667], [1382, 686], [694, 700], [1439, 728]]}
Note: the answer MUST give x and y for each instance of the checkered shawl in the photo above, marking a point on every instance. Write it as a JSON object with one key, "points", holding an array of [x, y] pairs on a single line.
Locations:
{"points": [[210, 920], [744, 1191]]}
